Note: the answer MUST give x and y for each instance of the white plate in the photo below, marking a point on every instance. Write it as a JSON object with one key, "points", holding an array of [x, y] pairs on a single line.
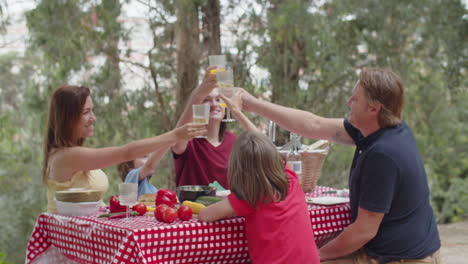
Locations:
{"points": [[223, 193], [327, 200]]}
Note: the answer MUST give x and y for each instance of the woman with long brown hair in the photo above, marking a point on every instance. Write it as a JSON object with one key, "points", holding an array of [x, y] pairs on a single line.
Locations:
{"points": [[68, 164], [201, 161]]}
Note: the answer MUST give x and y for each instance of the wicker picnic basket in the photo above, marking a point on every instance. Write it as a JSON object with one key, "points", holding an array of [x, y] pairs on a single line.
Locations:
{"points": [[312, 158]]}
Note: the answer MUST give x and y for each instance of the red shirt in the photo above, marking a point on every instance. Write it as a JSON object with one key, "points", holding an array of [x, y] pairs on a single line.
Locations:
{"points": [[202, 163], [279, 232]]}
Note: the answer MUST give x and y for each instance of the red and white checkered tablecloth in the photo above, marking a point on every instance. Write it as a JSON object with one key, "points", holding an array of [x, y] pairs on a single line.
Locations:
{"points": [[142, 239], [327, 221]]}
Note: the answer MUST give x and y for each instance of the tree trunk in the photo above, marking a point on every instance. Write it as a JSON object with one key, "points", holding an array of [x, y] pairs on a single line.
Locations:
{"points": [[188, 57], [210, 30], [188, 51]]}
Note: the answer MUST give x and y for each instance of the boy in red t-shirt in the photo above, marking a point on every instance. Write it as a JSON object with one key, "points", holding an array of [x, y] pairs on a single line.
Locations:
{"points": [[278, 227]]}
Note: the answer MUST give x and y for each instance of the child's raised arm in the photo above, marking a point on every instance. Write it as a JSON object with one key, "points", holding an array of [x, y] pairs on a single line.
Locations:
{"points": [[217, 211], [152, 162]]}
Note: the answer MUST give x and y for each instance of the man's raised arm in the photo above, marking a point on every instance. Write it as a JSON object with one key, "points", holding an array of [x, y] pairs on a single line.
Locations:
{"points": [[298, 121]]}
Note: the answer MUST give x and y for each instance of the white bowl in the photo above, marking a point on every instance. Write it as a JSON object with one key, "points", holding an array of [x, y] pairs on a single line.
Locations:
{"points": [[78, 209]]}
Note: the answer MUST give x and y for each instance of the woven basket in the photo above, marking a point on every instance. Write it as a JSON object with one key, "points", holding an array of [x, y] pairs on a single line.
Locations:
{"points": [[312, 159]]}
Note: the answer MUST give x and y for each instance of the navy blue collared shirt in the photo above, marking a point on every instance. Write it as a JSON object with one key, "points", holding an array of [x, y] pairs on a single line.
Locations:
{"points": [[388, 176]]}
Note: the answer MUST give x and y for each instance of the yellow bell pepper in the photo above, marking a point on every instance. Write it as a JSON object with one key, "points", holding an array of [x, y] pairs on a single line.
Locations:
{"points": [[196, 207]]}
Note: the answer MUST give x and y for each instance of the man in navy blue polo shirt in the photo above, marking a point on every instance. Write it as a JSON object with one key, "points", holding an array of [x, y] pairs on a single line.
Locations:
{"points": [[389, 194]]}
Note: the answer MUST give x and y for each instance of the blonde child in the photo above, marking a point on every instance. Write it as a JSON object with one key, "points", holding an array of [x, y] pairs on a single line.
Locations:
{"points": [[268, 195]]}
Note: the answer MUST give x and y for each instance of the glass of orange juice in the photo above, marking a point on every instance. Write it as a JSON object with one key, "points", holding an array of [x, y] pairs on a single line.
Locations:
{"points": [[219, 61], [200, 114], [225, 82]]}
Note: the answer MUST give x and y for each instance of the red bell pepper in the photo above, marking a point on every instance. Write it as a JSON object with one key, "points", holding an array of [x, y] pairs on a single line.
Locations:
{"points": [[115, 206], [166, 196]]}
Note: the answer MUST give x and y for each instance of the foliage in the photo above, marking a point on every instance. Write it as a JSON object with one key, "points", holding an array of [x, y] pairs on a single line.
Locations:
{"points": [[314, 68], [2, 258], [4, 16], [22, 193], [300, 54]]}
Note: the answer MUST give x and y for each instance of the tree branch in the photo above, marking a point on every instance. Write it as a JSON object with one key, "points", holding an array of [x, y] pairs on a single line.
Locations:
{"points": [[168, 124], [135, 63]]}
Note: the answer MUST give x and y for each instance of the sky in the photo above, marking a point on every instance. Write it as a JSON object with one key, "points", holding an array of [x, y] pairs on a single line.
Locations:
{"points": [[17, 31], [132, 16]]}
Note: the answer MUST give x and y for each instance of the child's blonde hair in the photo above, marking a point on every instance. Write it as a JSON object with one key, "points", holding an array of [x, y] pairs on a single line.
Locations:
{"points": [[256, 170]]}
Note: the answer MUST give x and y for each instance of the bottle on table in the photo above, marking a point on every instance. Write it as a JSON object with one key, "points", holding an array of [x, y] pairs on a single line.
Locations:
{"points": [[293, 157]]}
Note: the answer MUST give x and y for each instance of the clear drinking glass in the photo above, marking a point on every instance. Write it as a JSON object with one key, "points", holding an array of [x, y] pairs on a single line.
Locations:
{"points": [[272, 131], [201, 114], [128, 195], [219, 61], [225, 82]]}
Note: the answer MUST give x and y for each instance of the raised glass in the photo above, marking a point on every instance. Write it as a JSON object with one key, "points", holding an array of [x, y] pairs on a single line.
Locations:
{"points": [[219, 61], [225, 82], [200, 115]]}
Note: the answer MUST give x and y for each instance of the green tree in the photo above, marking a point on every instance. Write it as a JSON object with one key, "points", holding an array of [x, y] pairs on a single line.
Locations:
{"points": [[313, 53], [310, 53]]}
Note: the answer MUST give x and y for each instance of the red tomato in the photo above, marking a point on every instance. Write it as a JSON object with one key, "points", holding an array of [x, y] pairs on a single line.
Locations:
{"points": [[167, 192], [139, 208], [165, 200], [170, 215], [185, 213], [159, 211], [166, 196]]}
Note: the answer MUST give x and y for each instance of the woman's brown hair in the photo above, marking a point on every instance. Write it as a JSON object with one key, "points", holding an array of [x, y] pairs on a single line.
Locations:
{"points": [[386, 87], [65, 110], [222, 129], [124, 168], [256, 170]]}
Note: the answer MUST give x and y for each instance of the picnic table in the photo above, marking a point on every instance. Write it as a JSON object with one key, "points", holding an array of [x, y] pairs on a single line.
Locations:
{"points": [[142, 239]]}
